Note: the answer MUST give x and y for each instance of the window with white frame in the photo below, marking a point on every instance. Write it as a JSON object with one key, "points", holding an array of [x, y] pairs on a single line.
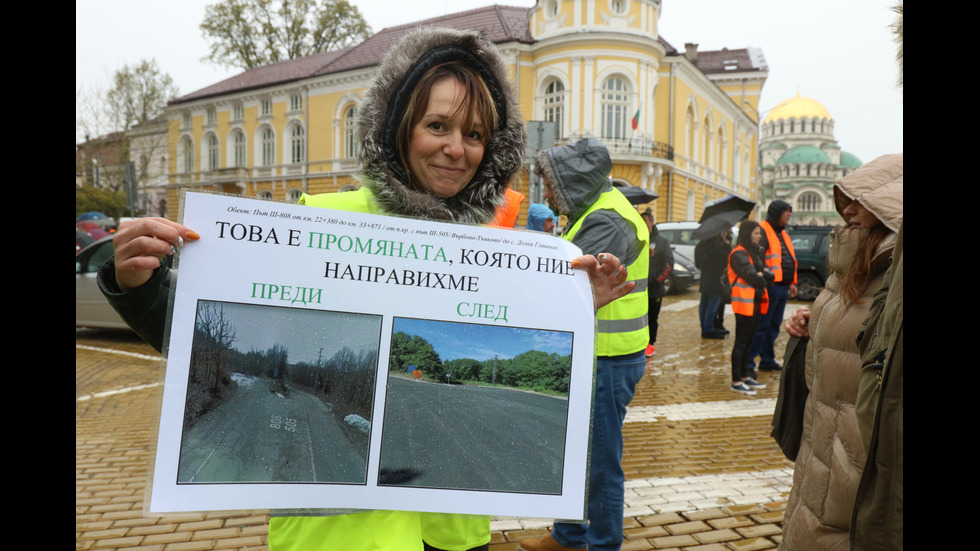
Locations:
{"points": [[185, 155], [268, 141], [212, 151], [293, 195], [351, 145], [297, 144], [238, 112], [266, 107], [554, 106], [241, 148], [615, 107], [295, 102], [212, 115], [186, 120]]}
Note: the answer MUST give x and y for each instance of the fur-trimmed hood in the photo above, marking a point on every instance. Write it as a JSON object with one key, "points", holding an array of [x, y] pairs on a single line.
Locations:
{"points": [[379, 113]]}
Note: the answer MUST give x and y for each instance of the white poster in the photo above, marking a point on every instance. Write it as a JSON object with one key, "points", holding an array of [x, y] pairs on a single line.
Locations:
{"points": [[321, 359]]}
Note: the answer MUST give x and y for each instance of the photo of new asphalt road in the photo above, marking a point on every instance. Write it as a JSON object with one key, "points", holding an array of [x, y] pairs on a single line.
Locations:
{"points": [[261, 436], [473, 437]]}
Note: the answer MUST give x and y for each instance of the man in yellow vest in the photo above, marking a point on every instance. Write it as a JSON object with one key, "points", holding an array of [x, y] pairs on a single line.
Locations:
{"points": [[601, 219], [780, 258]]}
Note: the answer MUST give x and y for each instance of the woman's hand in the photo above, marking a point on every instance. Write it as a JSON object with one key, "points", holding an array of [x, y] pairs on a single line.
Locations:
{"points": [[798, 323], [141, 243], [607, 277]]}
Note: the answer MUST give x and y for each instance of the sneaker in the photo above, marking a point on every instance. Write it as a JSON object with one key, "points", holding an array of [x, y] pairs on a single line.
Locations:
{"points": [[771, 367], [650, 351], [752, 374], [545, 543], [753, 384], [740, 387]]}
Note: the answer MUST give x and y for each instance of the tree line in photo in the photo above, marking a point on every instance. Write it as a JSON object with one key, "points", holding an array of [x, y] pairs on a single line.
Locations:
{"points": [[345, 380], [532, 370]]}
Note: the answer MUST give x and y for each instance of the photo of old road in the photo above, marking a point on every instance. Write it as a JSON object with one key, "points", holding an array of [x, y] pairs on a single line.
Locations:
{"points": [[472, 437], [262, 436]]}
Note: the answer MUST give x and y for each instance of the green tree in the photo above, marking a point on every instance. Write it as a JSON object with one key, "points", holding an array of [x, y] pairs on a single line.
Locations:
{"points": [[252, 33], [139, 93]]}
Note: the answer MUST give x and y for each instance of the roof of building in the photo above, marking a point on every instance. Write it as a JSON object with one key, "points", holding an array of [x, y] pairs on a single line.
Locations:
{"points": [[798, 108], [730, 61], [498, 23], [803, 154], [849, 160]]}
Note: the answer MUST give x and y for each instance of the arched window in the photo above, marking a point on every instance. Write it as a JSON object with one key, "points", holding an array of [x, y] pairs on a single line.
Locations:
{"points": [[707, 142], [351, 146], [297, 144], [293, 195], [722, 145], [554, 106], [185, 155], [809, 201], [241, 148], [689, 127], [615, 107], [212, 152], [268, 141]]}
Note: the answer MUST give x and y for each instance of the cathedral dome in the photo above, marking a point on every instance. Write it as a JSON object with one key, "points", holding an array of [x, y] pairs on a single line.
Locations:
{"points": [[798, 108], [848, 160], [803, 154]]}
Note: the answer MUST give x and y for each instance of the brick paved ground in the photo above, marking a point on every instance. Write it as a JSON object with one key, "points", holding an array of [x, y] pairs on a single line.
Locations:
{"points": [[702, 472]]}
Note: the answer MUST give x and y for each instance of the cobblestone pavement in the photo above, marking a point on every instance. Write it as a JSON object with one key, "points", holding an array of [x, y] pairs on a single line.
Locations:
{"points": [[702, 472]]}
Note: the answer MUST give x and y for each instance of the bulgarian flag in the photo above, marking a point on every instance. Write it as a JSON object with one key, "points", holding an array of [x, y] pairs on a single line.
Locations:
{"points": [[636, 119]]}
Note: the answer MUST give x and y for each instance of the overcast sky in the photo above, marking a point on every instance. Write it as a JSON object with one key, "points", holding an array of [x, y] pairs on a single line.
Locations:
{"points": [[838, 52]]}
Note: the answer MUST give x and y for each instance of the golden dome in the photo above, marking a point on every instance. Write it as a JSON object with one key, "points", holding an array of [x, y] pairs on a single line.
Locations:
{"points": [[798, 108]]}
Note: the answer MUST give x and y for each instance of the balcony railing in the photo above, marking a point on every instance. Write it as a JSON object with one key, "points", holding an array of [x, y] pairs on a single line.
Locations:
{"points": [[637, 147]]}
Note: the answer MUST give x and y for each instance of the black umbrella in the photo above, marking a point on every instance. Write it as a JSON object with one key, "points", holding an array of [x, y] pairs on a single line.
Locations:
{"points": [[637, 195], [722, 214]]}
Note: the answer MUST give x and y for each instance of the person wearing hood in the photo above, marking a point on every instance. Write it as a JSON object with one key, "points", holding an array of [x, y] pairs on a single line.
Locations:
{"points": [[541, 218], [441, 138], [780, 258], [600, 218], [832, 453]]}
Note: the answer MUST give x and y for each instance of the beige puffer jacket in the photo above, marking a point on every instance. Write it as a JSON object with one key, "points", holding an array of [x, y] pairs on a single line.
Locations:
{"points": [[828, 467]]}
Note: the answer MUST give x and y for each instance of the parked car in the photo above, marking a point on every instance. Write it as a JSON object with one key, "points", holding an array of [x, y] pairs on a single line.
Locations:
{"points": [[810, 243], [91, 307], [679, 235], [684, 275]]}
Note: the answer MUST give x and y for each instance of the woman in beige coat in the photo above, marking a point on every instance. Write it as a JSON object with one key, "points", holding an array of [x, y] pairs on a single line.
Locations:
{"points": [[831, 454]]}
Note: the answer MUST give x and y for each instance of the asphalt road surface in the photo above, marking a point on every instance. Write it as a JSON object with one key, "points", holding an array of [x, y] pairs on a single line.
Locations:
{"points": [[473, 437], [258, 436]]}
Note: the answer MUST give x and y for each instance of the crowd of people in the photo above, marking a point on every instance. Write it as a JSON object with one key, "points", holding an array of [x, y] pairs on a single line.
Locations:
{"points": [[443, 137]]}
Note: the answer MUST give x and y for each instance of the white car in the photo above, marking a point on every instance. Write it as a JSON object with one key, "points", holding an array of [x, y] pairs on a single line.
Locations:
{"points": [[91, 307], [679, 234]]}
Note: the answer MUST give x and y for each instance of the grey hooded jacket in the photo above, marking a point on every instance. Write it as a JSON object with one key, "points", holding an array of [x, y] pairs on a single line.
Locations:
{"points": [[578, 175]]}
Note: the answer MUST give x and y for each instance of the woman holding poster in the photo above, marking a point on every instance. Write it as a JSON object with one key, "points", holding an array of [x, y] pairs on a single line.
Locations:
{"points": [[441, 138]]}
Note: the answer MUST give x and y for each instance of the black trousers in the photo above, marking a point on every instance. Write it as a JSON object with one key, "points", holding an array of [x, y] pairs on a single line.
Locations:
{"points": [[744, 331], [653, 316]]}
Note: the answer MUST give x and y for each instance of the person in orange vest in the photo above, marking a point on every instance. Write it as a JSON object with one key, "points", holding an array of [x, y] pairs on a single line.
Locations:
{"points": [[748, 276], [780, 258], [509, 209]]}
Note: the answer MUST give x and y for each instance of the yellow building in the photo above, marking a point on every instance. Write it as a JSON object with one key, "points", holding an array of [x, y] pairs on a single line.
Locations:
{"points": [[681, 124]]}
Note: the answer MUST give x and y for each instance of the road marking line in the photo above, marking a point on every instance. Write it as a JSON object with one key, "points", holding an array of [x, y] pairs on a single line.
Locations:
{"points": [[120, 352], [694, 411], [117, 391]]}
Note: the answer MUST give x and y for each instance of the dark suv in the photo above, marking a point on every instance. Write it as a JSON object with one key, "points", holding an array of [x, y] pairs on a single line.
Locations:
{"points": [[810, 244]]}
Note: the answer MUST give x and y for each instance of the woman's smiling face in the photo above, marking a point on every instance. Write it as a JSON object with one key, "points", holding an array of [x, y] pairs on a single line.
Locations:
{"points": [[446, 146]]}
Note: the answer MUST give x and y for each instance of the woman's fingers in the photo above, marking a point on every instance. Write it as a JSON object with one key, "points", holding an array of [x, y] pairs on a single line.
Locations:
{"points": [[141, 243]]}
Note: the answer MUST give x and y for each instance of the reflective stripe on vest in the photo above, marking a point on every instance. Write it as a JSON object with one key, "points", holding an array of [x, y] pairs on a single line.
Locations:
{"points": [[622, 324], [774, 254], [743, 294]]}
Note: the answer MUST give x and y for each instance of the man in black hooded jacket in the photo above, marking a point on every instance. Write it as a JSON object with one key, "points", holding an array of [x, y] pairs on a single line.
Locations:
{"points": [[781, 260]]}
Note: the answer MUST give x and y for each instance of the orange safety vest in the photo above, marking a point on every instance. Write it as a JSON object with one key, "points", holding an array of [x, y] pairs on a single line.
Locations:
{"points": [[507, 212], [774, 254], [743, 294]]}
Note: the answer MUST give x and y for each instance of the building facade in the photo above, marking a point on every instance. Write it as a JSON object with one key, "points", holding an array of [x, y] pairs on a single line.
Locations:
{"points": [[801, 160], [681, 124]]}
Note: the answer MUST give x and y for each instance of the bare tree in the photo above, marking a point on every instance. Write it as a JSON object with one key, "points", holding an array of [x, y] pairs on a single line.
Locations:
{"points": [[216, 335], [252, 33]]}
